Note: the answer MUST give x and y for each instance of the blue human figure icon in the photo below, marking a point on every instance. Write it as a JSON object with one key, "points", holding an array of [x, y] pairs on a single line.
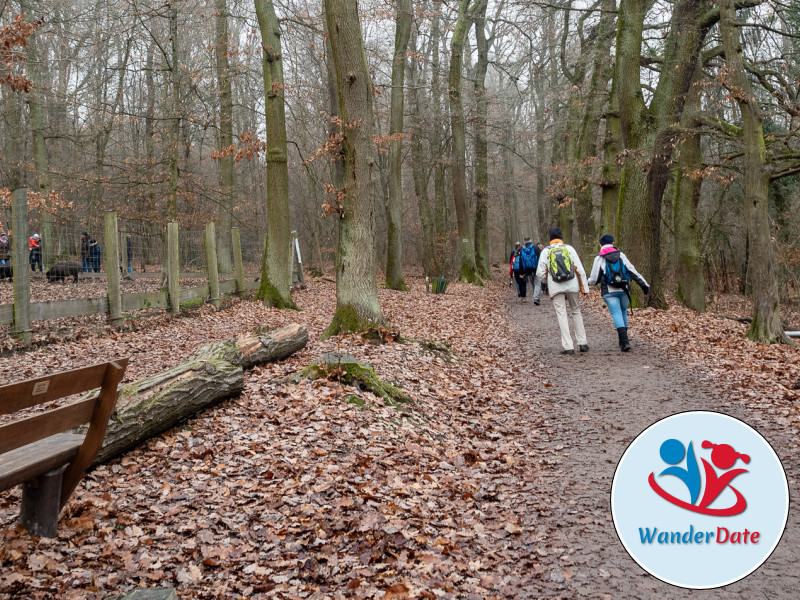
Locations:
{"points": [[672, 453]]}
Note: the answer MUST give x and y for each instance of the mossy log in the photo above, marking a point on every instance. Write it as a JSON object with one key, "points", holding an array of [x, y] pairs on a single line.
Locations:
{"points": [[215, 372], [345, 369], [146, 408]]}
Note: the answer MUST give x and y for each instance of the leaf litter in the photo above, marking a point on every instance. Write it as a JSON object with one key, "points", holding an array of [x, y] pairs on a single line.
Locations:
{"points": [[292, 491]]}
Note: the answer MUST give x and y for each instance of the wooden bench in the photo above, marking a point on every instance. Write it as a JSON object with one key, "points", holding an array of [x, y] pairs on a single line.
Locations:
{"points": [[40, 453]]}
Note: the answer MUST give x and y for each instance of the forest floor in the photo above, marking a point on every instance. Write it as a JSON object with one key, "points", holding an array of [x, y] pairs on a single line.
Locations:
{"points": [[44, 291], [494, 484]]}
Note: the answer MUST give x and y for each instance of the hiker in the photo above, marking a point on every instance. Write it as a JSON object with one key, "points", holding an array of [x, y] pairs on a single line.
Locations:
{"points": [[5, 249], [94, 255], [565, 280], [518, 272], [514, 251], [35, 250], [86, 264], [529, 257], [613, 271]]}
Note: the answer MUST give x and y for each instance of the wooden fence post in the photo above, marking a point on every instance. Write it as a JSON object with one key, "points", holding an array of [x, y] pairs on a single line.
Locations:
{"points": [[237, 260], [212, 268], [22, 269], [112, 270], [173, 268]]}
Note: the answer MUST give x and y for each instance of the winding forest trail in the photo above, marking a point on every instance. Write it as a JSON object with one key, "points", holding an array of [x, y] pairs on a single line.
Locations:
{"points": [[598, 403]]}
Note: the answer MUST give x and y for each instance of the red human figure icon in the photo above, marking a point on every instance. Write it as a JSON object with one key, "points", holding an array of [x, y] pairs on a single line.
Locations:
{"points": [[724, 457]]}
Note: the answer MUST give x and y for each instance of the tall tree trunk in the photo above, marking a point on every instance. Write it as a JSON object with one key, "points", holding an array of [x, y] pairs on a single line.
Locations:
{"points": [[540, 213], [766, 324], [681, 53], [149, 133], [175, 114], [466, 226], [691, 289], [40, 158], [227, 176], [420, 168], [357, 305], [610, 177], [590, 126], [481, 145], [649, 134], [510, 208], [337, 165], [394, 208], [440, 213], [102, 138], [276, 265], [635, 230]]}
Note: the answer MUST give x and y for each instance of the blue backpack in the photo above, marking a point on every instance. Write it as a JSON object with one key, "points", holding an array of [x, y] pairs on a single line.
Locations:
{"points": [[617, 275], [517, 264], [529, 259]]}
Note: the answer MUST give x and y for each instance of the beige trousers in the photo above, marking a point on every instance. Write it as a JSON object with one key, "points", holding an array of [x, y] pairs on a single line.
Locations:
{"points": [[560, 302]]}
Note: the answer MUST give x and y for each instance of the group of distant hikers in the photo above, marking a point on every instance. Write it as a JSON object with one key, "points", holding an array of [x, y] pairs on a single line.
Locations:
{"points": [[557, 270], [90, 252]]}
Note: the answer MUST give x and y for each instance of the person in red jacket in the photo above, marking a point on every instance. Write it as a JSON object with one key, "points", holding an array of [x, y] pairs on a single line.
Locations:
{"points": [[35, 252]]}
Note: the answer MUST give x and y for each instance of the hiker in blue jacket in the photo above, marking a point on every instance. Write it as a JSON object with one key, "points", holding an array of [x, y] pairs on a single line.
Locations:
{"points": [[518, 272], [613, 271], [529, 257]]}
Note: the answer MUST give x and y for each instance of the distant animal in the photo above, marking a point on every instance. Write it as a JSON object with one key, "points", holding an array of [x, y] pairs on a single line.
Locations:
{"points": [[7, 271], [64, 269]]}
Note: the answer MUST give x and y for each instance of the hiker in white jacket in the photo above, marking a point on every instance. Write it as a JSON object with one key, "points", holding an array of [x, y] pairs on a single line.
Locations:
{"points": [[566, 278]]}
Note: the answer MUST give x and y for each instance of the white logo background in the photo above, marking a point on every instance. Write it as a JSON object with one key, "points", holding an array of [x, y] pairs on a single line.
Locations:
{"points": [[635, 505]]}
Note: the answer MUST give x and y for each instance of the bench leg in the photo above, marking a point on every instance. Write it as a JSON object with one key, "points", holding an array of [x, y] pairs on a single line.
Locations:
{"points": [[41, 504]]}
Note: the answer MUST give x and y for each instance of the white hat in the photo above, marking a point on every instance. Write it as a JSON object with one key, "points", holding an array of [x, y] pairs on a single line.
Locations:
{"points": [[36, 236]]}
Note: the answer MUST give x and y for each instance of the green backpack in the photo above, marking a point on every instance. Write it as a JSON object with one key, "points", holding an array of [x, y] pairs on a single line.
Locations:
{"points": [[560, 264]]}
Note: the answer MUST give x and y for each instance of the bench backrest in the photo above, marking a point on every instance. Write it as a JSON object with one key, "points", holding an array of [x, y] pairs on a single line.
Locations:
{"points": [[95, 410]]}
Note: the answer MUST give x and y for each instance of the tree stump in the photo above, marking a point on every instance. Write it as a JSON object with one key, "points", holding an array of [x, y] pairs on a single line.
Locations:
{"points": [[346, 369]]}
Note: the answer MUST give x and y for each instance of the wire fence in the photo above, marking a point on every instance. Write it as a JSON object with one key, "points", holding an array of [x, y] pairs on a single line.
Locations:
{"points": [[141, 245]]}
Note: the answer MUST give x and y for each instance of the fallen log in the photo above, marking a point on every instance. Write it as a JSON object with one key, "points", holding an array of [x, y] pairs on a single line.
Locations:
{"points": [[216, 371]]}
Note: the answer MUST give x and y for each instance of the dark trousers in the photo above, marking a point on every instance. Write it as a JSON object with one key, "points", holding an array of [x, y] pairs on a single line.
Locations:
{"points": [[522, 284], [36, 259]]}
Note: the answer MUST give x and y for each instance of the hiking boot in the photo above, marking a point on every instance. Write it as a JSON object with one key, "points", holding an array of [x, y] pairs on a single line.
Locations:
{"points": [[584, 347], [624, 343], [536, 302], [571, 351]]}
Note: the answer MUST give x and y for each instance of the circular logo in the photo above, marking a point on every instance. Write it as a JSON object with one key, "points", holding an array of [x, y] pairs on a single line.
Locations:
{"points": [[699, 500]]}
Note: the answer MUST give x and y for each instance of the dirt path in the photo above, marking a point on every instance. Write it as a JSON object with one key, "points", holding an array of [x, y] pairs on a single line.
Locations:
{"points": [[621, 394]]}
